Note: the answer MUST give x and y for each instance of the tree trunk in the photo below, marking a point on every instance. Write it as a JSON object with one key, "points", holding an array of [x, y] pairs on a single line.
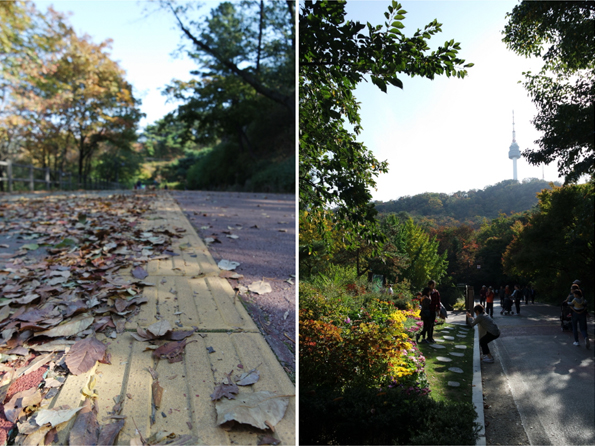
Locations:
{"points": [[260, 36]]}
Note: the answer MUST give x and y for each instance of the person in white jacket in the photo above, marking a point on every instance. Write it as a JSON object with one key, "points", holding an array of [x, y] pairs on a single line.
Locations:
{"points": [[488, 330]]}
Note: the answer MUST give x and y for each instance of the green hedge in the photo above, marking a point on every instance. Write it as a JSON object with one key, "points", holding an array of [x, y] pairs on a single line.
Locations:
{"points": [[392, 416]]}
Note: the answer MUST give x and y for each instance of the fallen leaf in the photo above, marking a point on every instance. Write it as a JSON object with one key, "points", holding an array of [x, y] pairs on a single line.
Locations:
{"points": [[172, 351], [228, 265], [109, 432], [85, 430], [55, 416], [268, 439], [70, 328], [157, 391], [260, 287], [225, 390], [139, 273], [83, 355], [259, 409], [30, 246], [19, 401], [230, 275], [249, 378], [160, 328]]}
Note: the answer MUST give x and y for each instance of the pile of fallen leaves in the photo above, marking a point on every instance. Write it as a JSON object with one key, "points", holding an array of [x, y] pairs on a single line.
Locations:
{"points": [[52, 305]]}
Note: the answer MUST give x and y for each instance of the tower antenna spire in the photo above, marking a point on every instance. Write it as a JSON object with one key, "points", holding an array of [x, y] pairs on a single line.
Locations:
{"points": [[513, 132]]}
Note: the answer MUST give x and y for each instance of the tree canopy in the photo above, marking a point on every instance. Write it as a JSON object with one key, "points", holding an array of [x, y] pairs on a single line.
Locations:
{"points": [[64, 98], [563, 35], [335, 55]]}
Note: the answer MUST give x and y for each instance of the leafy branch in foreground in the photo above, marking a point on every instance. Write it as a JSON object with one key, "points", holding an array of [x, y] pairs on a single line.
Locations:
{"points": [[337, 171]]}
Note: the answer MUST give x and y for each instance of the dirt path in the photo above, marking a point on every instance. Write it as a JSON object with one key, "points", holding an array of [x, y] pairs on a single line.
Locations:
{"points": [[265, 248]]}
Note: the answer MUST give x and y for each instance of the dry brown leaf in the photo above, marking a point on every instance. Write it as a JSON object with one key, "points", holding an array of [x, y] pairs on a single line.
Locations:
{"points": [[83, 355], [249, 378], [70, 328], [260, 287], [159, 328], [139, 273], [85, 430], [259, 409], [157, 391], [55, 416], [109, 432]]}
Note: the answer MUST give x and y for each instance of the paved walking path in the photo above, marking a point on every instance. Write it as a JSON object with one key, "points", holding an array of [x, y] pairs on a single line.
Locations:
{"points": [[552, 381], [189, 294]]}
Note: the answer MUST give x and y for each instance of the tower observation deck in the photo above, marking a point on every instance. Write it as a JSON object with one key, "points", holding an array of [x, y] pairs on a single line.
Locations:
{"points": [[513, 152]]}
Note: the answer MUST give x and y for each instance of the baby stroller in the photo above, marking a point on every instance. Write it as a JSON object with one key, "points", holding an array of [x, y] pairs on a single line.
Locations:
{"points": [[565, 316], [506, 306]]}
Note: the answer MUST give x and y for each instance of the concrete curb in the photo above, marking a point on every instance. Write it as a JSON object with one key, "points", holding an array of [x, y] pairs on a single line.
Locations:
{"points": [[477, 397]]}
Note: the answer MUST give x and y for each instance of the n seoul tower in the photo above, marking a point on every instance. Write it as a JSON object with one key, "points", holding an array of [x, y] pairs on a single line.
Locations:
{"points": [[514, 153]]}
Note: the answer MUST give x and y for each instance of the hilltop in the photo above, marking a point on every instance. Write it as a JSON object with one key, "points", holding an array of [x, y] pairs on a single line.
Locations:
{"points": [[470, 207]]}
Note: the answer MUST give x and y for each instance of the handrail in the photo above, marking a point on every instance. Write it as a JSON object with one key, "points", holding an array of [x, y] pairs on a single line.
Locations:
{"points": [[53, 179]]}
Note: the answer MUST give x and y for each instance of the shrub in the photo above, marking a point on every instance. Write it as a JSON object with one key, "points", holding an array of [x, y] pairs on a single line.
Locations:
{"points": [[343, 344], [385, 416]]}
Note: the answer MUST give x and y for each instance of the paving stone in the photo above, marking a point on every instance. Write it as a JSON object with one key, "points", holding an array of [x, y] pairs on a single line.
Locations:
{"points": [[443, 359], [456, 354], [456, 370], [439, 340], [461, 335], [453, 384], [437, 346], [449, 338], [462, 347]]}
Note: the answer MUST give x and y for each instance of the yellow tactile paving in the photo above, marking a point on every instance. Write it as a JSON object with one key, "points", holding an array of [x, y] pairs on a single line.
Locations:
{"points": [[188, 293]]}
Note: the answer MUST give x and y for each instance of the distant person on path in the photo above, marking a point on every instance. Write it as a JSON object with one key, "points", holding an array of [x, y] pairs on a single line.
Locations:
{"points": [[488, 330], [527, 294], [482, 295], [490, 302], [578, 305], [501, 294], [426, 316], [516, 296], [434, 306], [390, 290], [532, 294]]}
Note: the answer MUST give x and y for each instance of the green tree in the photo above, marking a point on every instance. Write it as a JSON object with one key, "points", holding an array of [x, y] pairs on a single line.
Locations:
{"points": [[563, 35], [335, 55], [555, 247]]}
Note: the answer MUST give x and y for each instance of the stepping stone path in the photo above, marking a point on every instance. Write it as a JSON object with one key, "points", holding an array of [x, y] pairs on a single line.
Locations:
{"points": [[456, 370], [461, 335], [437, 346], [462, 347], [439, 340], [450, 338], [443, 359], [453, 384], [457, 354]]}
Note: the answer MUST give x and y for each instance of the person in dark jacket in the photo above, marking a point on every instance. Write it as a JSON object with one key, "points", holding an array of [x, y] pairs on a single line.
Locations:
{"points": [[434, 307], [488, 330], [517, 295]]}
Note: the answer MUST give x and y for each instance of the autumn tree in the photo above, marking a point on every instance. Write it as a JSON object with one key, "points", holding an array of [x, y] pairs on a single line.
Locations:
{"points": [[562, 34], [555, 246], [335, 55], [62, 92]]}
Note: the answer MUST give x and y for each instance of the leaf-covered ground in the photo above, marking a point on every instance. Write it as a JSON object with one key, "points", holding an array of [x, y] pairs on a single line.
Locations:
{"points": [[60, 284]]}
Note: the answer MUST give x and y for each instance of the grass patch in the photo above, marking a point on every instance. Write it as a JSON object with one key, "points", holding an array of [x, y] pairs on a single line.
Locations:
{"points": [[437, 372]]}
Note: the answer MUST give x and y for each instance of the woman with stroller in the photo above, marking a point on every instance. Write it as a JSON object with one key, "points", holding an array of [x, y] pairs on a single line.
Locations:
{"points": [[578, 305], [488, 330], [425, 315]]}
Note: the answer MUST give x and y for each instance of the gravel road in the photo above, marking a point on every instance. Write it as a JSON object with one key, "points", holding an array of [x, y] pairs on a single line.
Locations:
{"points": [[265, 247]]}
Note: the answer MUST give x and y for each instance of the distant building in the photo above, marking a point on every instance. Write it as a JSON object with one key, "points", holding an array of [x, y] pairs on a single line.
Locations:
{"points": [[513, 152]]}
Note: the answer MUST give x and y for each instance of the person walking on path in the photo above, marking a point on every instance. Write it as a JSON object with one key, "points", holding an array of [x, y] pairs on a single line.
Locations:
{"points": [[425, 315], [490, 302], [482, 295], [527, 294], [488, 330], [516, 296], [434, 307], [578, 305]]}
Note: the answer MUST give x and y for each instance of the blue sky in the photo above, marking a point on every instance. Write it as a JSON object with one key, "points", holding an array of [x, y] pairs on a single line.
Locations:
{"points": [[142, 44], [450, 134]]}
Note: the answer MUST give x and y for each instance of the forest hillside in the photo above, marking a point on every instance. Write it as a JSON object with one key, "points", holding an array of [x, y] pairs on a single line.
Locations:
{"points": [[469, 207]]}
